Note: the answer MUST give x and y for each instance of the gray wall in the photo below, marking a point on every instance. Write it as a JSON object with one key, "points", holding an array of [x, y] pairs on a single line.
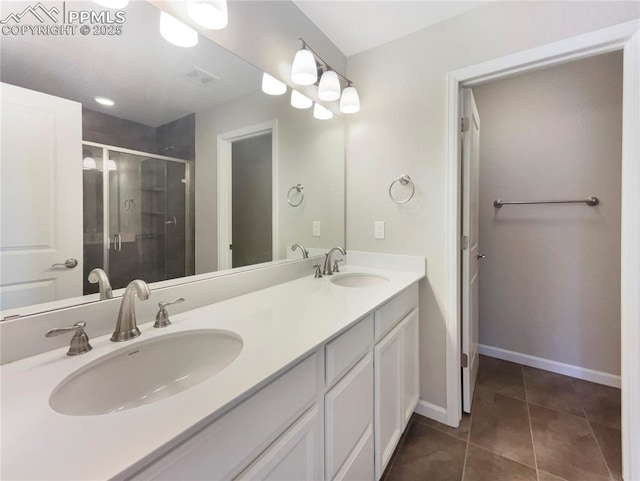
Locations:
{"points": [[310, 152], [402, 128], [550, 285], [251, 199]]}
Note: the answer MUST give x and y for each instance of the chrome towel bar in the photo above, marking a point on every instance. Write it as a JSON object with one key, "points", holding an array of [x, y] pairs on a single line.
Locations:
{"points": [[591, 202]]}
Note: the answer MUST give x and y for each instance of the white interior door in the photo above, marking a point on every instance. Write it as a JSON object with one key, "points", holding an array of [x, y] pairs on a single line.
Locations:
{"points": [[470, 253], [41, 203]]}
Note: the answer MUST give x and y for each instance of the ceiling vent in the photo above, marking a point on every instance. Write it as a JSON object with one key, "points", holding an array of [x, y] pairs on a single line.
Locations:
{"points": [[200, 77]]}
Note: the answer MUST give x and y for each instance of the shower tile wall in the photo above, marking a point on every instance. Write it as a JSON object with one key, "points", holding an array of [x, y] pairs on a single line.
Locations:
{"points": [[110, 130], [177, 139]]}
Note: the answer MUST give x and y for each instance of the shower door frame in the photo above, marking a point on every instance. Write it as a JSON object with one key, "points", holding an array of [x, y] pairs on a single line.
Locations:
{"points": [[106, 241]]}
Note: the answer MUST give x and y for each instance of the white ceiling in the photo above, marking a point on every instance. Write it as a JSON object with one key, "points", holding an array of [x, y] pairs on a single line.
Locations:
{"points": [[139, 70], [358, 25]]}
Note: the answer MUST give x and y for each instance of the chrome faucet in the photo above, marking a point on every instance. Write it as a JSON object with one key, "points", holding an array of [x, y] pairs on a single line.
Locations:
{"points": [[104, 286], [126, 327], [327, 271], [305, 253]]}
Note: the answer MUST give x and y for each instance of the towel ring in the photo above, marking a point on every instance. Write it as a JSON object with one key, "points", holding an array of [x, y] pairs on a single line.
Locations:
{"points": [[404, 179], [298, 188]]}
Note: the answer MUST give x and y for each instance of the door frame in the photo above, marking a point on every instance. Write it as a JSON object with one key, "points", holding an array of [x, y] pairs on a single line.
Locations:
{"points": [[625, 37], [224, 187]]}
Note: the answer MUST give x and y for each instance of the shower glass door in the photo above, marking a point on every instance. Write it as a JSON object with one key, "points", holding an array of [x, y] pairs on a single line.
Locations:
{"points": [[146, 221]]}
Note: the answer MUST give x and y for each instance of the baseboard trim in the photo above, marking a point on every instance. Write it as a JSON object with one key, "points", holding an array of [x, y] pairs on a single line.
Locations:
{"points": [[431, 411], [553, 366]]}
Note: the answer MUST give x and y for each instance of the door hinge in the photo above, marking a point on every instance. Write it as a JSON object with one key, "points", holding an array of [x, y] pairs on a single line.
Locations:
{"points": [[464, 242], [464, 124], [464, 360]]}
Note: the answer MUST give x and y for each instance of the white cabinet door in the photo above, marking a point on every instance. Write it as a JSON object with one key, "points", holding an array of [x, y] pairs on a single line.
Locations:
{"points": [[411, 374], [296, 456], [348, 415], [41, 206], [388, 422]]}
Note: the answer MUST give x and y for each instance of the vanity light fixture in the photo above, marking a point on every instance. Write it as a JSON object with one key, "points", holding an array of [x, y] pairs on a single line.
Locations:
{"points": [[176, 32], [115, 4], [111, 165], [211, 14], [300, 101], [104, 101], [304, 71], [272, 86], [329, 86], [89, 163], [322, 113], [349, 102]]}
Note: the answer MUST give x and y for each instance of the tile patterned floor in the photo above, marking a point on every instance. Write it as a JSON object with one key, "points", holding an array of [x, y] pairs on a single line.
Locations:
{"points": [[526, 425]]}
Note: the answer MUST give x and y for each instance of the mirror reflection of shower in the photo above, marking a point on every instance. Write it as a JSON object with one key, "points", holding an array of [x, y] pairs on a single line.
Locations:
{"points": [[137, 218]]}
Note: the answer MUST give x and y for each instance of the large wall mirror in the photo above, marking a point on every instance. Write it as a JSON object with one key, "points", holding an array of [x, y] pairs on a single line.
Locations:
{"points": [[192, 170]]}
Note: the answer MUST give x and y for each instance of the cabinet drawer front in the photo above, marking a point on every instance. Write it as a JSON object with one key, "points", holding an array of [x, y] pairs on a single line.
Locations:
{"points": [[346, 349], [393, 311], [221, 450], [348, 414]]}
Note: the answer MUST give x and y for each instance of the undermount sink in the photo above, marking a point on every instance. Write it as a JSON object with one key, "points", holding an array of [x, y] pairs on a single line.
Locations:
{"points": [[359, 280], [146, 372]]}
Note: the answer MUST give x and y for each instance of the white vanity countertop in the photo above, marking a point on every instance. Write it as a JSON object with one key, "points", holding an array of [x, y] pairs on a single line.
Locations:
{"points": [[279, 325]]}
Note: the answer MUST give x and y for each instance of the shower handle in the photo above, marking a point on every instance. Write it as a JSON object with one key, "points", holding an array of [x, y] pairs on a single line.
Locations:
{"points": [[117, 242], [173, 221]]}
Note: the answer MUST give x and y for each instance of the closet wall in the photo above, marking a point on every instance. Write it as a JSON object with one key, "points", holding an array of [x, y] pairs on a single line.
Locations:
{"points": [[550, 284]]}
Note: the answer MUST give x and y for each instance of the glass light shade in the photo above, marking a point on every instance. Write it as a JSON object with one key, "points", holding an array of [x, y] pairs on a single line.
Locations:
{"points": [[322, 113], [300, 101], [272, 86], [111, 165], [329, 86], [176, 32], [304, 70], [349, 102], [210, 14], [112, 3], [88, 163]]}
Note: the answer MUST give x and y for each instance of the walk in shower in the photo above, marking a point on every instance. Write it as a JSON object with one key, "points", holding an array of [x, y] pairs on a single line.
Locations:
{"points": [[137, 215]]}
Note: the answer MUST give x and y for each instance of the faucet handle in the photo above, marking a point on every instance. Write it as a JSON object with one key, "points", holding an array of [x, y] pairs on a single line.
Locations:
{"points": [[79, 341], [318, 271], [162, 317], [335, 265]]}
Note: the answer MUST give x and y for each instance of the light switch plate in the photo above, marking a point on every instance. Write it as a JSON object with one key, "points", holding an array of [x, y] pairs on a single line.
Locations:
{"points": [[316, 228], [379, 229]]}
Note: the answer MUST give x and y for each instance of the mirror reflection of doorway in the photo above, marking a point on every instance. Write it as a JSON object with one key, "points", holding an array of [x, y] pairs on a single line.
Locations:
{"points": [[247, 196], [251, 200]]}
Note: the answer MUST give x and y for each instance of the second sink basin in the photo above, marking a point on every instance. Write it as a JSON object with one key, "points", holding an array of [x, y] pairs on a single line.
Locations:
{"points": [[359, 280], [146, 372]]}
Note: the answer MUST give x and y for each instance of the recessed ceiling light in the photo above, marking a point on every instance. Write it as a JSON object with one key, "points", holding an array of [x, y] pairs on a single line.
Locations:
{"points": [[104, 101]]}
